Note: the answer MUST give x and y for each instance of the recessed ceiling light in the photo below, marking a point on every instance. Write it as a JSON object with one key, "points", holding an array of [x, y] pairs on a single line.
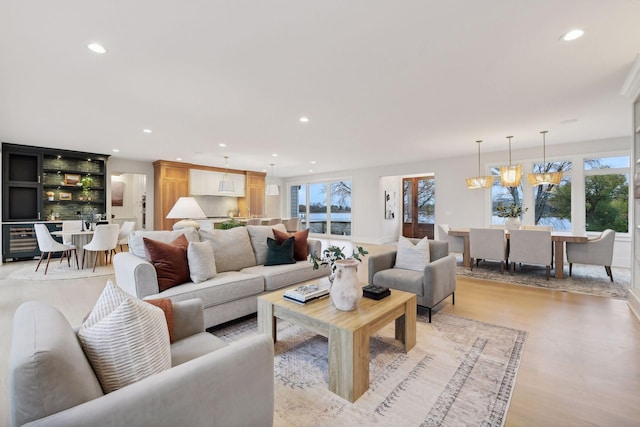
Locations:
{"points": [[115, 150], [310, 170], [222, 144], [573, 34], [274, 155], [178, 158], [97, 48], [304, 119], [147, 130], [313, 162], [264, 170]]}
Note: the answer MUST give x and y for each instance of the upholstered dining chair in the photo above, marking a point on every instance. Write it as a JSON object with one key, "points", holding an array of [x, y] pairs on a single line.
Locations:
{"points": [[274, 221], [105, 239], [497, 226], [49, 245], [69, 226], [596, 251], [292, 224], [123, 236], [487, 243], [456, 243], [254, 221], [530, 247]]}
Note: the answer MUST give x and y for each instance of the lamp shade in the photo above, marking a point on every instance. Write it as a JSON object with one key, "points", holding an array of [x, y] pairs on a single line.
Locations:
{"points": [[478, 182], [186, 207], [545, 178], [272, 190], [510, 175], [225, 185]]}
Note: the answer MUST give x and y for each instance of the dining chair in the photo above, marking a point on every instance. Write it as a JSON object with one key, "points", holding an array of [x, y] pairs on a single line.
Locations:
{"points": [[456, 243], [596, 251], [274, 221], [497, 226], [254, 221], [49, 245], [530, 247], [68, 227], [123, 236], [487, 243], [105, 239], [292, 224]]}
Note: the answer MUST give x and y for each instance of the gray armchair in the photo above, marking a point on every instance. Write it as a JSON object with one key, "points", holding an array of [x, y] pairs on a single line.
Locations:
{"points": [[51, 382], [431, 286], [488, 243], [530, 247], [597, 251]]}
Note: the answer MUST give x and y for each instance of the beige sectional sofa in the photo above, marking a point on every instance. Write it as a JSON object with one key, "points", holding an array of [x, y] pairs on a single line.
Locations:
{"points": [[239, 253]]}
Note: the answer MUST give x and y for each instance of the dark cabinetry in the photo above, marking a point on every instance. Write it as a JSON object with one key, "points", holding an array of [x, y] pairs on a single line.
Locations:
{"points": [[20, 240]]}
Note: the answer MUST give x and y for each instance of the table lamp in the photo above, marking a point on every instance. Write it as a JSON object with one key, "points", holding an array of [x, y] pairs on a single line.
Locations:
{"points": [[186, 208]]}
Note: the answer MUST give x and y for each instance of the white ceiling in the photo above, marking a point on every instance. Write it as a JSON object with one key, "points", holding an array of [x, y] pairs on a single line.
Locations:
{"points": [[382, 82]]}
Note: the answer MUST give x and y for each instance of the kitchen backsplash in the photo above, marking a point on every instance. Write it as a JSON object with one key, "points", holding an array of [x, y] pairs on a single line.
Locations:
{"points": [[218, 205]]}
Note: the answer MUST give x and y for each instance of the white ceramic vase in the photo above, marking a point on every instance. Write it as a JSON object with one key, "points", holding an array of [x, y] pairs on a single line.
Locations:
{"points": [[345, 290], [512, 223]]}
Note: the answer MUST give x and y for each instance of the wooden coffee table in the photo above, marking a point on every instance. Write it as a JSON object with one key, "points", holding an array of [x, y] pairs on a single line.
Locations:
{"points": [[348, 331]]}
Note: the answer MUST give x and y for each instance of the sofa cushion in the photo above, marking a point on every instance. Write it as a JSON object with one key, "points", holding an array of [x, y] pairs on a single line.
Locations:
{"points": [[225, 287], [401, 279], [169, 260], [166, 306], [48, 371], [280, 253], [194, 346], [279, 276], [412, 257], [231, 248], [258, 235], [125, 339], [300, 249], [136, 244], [202, 264]]}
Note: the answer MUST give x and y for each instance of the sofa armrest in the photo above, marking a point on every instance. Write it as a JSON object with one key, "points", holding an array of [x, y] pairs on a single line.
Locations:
{"points": [[380, 262], [188, 318], [135, 275], [211, 390], [314, 246], [440, 278]]}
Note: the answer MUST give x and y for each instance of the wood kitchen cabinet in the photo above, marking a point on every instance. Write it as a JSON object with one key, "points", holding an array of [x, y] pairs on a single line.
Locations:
{"points": [[171, 181], [253, 202]]}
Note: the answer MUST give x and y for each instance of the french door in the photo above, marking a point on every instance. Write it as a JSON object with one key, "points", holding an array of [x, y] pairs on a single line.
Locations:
{"points": [[418, 207]]}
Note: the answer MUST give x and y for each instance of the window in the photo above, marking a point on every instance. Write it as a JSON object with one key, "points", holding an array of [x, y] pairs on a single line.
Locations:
{"points": [[324, 207], [606, 193], [504, 196], [552, 203]]}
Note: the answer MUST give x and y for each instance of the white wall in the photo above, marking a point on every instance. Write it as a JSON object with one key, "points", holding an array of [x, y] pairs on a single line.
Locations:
{"points": [[455, 204], [117, 166]]}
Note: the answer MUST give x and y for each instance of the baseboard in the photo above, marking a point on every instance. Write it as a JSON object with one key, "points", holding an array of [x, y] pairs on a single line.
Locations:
{"points": [[633, 299]]}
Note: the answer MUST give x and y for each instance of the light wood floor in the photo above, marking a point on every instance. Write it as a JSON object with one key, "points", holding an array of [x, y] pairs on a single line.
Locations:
{"points": [[580, 366]]}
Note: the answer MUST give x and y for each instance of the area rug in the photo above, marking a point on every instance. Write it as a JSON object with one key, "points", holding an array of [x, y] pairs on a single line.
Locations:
{"points": [[461, 372], [58, 271], [590, 280]]}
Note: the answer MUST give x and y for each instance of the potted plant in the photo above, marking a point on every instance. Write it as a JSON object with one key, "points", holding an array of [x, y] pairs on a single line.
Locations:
{"points": [[512, 214], [333, 254], [87, 183]]}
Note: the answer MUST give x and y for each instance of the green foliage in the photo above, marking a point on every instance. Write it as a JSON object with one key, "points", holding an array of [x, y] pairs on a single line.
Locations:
{"points": [[334, 253], [232, 223], [512, 211]]}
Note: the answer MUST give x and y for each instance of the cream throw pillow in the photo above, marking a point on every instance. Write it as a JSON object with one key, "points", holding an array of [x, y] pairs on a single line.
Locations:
{"points": [[412, 257], [125, 339], [202, 264]]}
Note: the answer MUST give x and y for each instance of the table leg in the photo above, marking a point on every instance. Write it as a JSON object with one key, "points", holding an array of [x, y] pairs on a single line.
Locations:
{"points": [[406, 325], [466, 258], [348, 362], [266, 319], [559, 258]]}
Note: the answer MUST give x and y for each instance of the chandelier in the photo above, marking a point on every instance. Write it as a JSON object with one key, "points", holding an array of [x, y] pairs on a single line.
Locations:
{"points": [[510, 175], [545, 178], [479, 181]]}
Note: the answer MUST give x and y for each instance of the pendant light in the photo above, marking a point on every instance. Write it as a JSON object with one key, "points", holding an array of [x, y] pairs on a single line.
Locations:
{"points": [[479, 181], [510, 175], [225, 185], [545, 178], [272, 189]]}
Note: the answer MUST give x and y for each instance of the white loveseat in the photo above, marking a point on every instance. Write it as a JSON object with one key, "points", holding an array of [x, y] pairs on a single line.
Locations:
{"points": [[239, 253]]}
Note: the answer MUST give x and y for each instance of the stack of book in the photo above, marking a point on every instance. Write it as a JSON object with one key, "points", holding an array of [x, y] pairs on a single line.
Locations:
{"points": [[375, 292], [305, 293]]}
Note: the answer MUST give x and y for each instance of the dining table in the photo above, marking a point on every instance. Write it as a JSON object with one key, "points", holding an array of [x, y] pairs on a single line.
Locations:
{"points": [[559, 238], [79, 238]]}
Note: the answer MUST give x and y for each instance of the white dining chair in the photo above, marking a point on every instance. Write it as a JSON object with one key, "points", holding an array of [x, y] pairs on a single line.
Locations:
{"points": [[530, 247], [487, 243], [274, 221], [49, 245], [254, 221], [596, 251], [123, 235], [105, 239], [456, 243], [68, 227], [292, 224]]}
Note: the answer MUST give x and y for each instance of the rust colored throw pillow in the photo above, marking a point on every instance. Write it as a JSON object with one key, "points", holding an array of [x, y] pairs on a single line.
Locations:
{"points": [[300, 249], [167, 306], [169, 260]]}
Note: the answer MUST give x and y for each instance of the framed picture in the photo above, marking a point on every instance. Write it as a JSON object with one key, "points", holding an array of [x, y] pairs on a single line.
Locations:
{"points": [[71, 179], [64, 196], [389, 205], [117, 193]]}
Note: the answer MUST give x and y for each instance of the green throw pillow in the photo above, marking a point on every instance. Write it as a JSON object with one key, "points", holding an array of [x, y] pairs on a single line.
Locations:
{"points": [[280, 253]]}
